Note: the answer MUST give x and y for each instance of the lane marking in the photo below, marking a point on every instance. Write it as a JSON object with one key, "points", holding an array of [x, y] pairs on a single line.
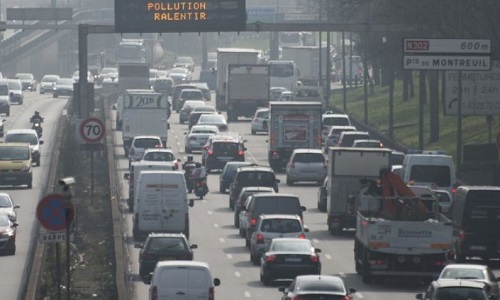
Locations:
{"points": [[247, 294], [328, 256], [209, 212], [315, 241], [342, 274], [229, 256], [216, 225], [359, 295], [237, 274], [222, 240]]}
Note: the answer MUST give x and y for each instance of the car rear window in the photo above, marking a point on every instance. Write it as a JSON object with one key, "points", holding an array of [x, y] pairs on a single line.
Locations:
{"points": [[280, 225], [256, 178], [336, 121], [263, 114], [460, 292], [159, 156], [14, 153], [439, 175], [146, 143], [21, 138], [349, 139], [277, 205], [166, 244], [309, 158], [226, 147], [192, 95], [323, 286]]}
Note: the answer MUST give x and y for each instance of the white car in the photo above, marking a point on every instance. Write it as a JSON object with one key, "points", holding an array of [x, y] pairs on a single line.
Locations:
{"points": [[197, 137], [158, 154], [139, 145], [48, 83], [217, 120], [29, 136], [481, 273], [7, 206], [306, 165], [275, 93], [260, 120], [330, 119]]}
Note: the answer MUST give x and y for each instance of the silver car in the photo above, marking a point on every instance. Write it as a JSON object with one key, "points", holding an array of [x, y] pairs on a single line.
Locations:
{"points": [[48, 83], [197, 137], [7, 206], [260, 120], [306, 165], [139, 145], [274, 226], [481, 273]]}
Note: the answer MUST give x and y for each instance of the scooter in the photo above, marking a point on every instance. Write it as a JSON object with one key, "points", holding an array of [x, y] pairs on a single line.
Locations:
{"points": [[201, 188], [37, 126]]}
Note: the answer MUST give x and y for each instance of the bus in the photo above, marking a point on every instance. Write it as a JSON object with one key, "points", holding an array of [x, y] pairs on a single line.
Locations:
{"points": [[284, 73]]}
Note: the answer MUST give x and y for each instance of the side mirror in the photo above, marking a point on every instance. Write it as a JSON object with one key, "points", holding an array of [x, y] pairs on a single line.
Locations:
{"points": [[193, 246], [16, 206], [244, 148], [147, 278], [15, 224], [303, 208], [282, 289], [352, 291], [40, 142], [244, 141], [185, 132], [278, 181], [191, 203], [138, 246], [126, 176], [306, 229], [216, 281], [419, 296], [317, 250]]}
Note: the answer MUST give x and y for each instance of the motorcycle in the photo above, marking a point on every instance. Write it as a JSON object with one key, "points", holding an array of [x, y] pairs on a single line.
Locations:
{"points": [[37, 126], [187, 175], [201, 188]]}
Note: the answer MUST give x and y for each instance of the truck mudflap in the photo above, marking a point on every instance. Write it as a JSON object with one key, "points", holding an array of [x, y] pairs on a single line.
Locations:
{"points": [[337, 223], [279, 158]]}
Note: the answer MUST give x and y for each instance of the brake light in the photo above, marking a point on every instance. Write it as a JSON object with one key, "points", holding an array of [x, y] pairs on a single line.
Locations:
{"points": [[159, 146], [275, 153], [260, 239], [302, 236], [270, 258], [211, 293], [454, 189], [206, 147], [210, 152], [314, 258], [154, 292], [241, 153], [253, 221]]}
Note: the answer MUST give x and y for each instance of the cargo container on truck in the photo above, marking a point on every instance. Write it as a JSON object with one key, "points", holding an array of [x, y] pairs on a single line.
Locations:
{"points": [[307, 59]]}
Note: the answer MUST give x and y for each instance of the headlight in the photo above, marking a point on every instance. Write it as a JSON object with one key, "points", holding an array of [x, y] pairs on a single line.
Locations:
{"points": [[26, 168], [12, 217]]}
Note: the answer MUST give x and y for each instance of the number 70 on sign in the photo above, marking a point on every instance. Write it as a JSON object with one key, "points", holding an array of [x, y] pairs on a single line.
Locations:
{"points": [[91, 130]]}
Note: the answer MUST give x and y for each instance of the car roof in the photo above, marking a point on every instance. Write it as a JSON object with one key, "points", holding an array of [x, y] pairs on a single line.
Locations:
{"points": [[308, 150], [190, 90], [354, 132], [154, 234], [146, 137], [205, 127], [366, 141], [21, 131], [255, 168], [465, 266], [274, 195], [257, 188], [327, 115], [159, 150], [180, 263], [331, 278], [279, 216], [459, 282], [285, 239]]}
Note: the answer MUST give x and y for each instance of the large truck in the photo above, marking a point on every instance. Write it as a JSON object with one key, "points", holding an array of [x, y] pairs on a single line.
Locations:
{"points": [[147, 50], [292, 124], [133, 76], [399, 234], [248, 87], [307, 60], [346, 167], [225, 57], [144, 112]]}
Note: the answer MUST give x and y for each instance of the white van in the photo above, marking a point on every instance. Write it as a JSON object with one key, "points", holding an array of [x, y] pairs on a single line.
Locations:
{"points": [[181, 279], [133, 175], [161, 204], [433, 170]]}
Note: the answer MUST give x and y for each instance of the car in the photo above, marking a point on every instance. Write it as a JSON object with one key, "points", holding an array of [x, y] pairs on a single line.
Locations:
{"points": [[317, 287], [333, 135], [347, 138], [184, 62], [63, 87], [187, 107], [2, 127], [139, 145], [330, 119], [222, 151], [7, 206], [285, 96], [217, 120], [322, 193], [162, 74], [180, 75], [176, 92], [220, 136], [252, 176], [197, 137], [274, 226], [160, 247], [4, 97], [368, 144], [8, 230], [480, 273], [205, 90], [158, 154], [241, 203], [455, 289], [275, 92], [444, 199], [16, 164], [260, 121], [76, 76], [228, 173], [29, 136], [48, 82], [108, 72], [306, 165], [163, 85], [28, 81], [288, 258], [197, 111], [16, 91]]}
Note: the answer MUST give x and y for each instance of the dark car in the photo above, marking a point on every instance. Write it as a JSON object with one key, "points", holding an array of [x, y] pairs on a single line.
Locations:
{"points": [[163, 246], [228, 173], [177, 92], [8, 235], [454, 289], [319, 287], [196, 113], [223, 151], [163, 85], [239, 204], [288, 258], [252, 176]]}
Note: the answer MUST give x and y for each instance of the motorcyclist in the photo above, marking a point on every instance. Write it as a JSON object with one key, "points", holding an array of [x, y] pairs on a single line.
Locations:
{"points": [[187, 167], [189, 163], [198, 173], [36, 117]]}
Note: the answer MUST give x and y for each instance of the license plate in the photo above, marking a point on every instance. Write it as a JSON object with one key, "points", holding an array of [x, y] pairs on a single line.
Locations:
{"points": [[293, 259], [224, 158]]}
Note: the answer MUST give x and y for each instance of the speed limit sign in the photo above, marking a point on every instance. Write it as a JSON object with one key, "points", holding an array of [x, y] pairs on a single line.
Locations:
{"points": [[91, 130]]}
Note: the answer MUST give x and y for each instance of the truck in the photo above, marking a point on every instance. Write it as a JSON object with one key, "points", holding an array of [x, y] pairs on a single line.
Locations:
{"points": [[144, 112], [399, 234], [133, 76], [225, 57], [307, 60], [248, 87], [147, 50], [292, 124]]}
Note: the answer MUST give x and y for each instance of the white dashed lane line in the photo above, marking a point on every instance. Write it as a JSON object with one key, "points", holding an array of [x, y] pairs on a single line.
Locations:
{"points": [[247, 294], [237, 274], [209, 212], [222, 240], [229, 256], [327, 256]]}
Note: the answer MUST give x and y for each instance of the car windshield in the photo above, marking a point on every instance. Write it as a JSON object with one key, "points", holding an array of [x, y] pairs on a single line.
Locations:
{"points": [[14, 153], [21, 138], [170, 244], [178, 71], [212, 119], [15, 85], [158, 156], [292, 246], [460, 292], [50, 79], [336, 121], [184, 60], [281, 226], [192, 95], [320, 285], [466, 273], [25, 76], [4, 220], [147, 143], [309, 158], [5, 201]]}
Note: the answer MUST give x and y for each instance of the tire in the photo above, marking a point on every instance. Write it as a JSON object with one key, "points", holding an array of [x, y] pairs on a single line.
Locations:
{"points": [[221, 188], [8, 112], [12, 251], [254, 259], [242, 232], [266, 279], [254, 132], [237, 222], [247, 242], [289, 181], [366, 277], [37, 162], [30, 185]]}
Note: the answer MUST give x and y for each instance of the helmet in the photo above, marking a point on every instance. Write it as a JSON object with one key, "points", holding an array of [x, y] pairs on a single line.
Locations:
{"points": [[37, 112], [198, 165], [190, 158]]}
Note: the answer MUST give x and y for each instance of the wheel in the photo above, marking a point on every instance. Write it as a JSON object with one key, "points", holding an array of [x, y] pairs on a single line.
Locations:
{"points": [[187, 150], [266, 279], [255, 259], [12, 250], [30, 185], [221, 188], [242, 232], [8, 112], [247, 242], [201, 197], [254, 132], [289, 181], [230, 204], [237, 222], [37, 162]]}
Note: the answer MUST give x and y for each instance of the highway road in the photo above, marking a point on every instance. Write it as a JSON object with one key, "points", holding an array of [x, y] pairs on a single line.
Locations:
{"points": [[15, 267], [220, 245]]}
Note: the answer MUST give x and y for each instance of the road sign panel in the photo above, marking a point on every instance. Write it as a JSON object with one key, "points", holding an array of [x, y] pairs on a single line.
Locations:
{"points": [[53, 213], [91, 130], [261, 14], [52, 237], [446, 62], [450, 46], [480, 92]]}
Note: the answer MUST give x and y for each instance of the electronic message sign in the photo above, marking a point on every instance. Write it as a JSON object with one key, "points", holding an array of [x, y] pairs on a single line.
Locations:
{"points": [[141, 16]]}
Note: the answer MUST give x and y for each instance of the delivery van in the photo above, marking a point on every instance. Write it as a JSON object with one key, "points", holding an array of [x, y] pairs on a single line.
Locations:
{"points": [[434, 170], [161, 204], [133, 175]]}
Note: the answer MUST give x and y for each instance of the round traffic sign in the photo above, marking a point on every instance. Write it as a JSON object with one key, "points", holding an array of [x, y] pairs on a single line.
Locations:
{"points": [[53, 213], [92, 130]]}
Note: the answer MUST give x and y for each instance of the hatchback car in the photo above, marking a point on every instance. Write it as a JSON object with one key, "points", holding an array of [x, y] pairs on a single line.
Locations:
{"points": [[16, 91], [327, 287], [48, 83], [288, 258], [8, 230], [176, 92], [306, 165], [187, 107], [368, 144], [26, 136], [27, 80], [241, 203], [158, 154], [180, 75], [252, 176], [196, 113], [228, 173], [481, 273], [333, 135], [139, 145], [455, 289], [260, 121], [444, 200], [223, 151], [8, 207], [163, 246], [63, 87], [217, 120], [274, 226], [347, 138], [197, 137]]}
